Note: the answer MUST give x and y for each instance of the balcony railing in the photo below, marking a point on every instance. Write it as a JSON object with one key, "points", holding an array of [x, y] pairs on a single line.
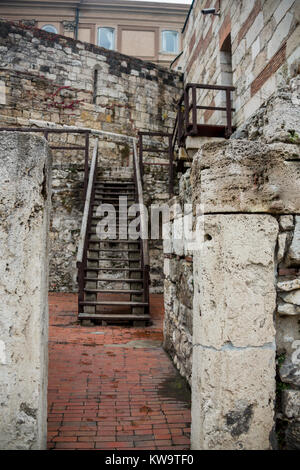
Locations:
{"points": [[187, 121]]}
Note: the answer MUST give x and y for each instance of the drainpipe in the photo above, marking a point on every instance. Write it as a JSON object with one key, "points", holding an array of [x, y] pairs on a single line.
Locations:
{"points": [[76, 22]]}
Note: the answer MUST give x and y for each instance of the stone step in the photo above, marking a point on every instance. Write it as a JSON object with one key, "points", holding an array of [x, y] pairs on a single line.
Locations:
{"points": [[113, 317], [109, 193], [107, 279], [96, 217], [114, 303], [98, 201], [114, 291], [113, 250], [135, 242], [114, 269], [114, 259]]}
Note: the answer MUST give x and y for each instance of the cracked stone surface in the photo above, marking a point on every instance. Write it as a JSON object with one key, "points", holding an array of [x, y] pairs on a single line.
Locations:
{"points": [[24, 200]]}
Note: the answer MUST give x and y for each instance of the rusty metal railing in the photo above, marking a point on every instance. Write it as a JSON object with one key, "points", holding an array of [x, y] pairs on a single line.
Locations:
{"points": [[139, 199], [169, 150], [48, 130], [187, 123], [86, 221]]}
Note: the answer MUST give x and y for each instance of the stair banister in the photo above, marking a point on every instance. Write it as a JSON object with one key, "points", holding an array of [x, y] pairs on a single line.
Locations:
{"points": [[144, 225], [82, 247]]}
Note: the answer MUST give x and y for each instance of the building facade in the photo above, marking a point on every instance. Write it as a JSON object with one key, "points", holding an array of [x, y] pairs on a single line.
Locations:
{"points": [[232, 303], [147, 30], [252, 45]]}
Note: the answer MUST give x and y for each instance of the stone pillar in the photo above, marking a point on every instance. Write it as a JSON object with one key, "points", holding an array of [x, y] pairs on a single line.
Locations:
{"points": [[243, 187], [25, 173], [233, 386]]}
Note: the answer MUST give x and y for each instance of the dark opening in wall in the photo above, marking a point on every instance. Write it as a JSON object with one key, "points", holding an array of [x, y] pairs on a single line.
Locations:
{"points": [[226, 61], [95, 89]]}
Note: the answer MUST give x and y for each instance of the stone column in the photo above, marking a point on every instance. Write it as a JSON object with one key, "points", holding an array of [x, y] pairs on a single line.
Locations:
{"points": [[243, 188], [25, 173], [233, 386]]}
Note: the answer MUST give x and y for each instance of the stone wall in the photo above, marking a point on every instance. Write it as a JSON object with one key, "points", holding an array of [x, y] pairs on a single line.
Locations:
{"points": [[264, 51], [25, 193], [288, 333], [50, 80], [179, 283]]}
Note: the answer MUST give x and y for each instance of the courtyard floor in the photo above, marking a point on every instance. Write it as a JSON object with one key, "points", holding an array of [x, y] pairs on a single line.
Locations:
{"points": [[113, 387]]}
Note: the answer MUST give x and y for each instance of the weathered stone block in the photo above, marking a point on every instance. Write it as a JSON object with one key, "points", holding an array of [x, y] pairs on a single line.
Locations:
{"points": [[287, 333], [243, 176], [294, 251], [170, 269], [291, 403], [290, 372], [284, 308], [232, 409], [292, 297], [287, 286], [25, 182], [286, 222], [234, 288], [293, 436], [185, 286], [282, 242]]}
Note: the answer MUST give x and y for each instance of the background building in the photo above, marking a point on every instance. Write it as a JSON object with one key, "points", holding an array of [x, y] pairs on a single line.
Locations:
{"points": [[148, 30]]}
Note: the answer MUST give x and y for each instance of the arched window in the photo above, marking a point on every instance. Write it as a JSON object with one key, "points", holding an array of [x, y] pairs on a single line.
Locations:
{"points": [[170, 41], [49, 28], [106, 38]]}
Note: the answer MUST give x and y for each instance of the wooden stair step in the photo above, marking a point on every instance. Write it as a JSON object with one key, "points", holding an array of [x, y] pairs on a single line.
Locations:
{"points": [[112, 316], [108, 193], [114, 291], [107, 279], [109, 184], [115, 241], [114, 259], [97, 217], [113, 250], [114, 303], [113, 269], [104, 198], [129, 203], [114, 190]]}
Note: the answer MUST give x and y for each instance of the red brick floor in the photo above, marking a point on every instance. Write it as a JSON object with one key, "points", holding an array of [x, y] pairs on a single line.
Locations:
{"points": [[112, 387]]}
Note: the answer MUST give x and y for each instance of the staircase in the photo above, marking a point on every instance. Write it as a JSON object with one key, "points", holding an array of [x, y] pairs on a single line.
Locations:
{"points": [[113, 278]]}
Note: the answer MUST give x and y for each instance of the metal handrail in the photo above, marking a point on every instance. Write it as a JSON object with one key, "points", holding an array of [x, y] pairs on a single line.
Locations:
{"points": [[87, 205], [140, 200], [144, 225], [87, 214], [169, 150], [61, 130], [181, 128]]}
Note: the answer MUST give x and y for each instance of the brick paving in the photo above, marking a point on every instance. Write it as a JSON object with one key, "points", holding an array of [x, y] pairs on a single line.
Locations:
{"points": [[112, 387]]}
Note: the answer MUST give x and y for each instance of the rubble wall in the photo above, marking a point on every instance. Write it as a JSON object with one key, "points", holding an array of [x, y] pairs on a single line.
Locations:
{"points": [[51, 80]]}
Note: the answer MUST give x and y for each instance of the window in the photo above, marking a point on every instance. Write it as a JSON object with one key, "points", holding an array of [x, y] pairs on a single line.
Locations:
{"points": [[170, 41], [49, 28], [106, 38]]}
